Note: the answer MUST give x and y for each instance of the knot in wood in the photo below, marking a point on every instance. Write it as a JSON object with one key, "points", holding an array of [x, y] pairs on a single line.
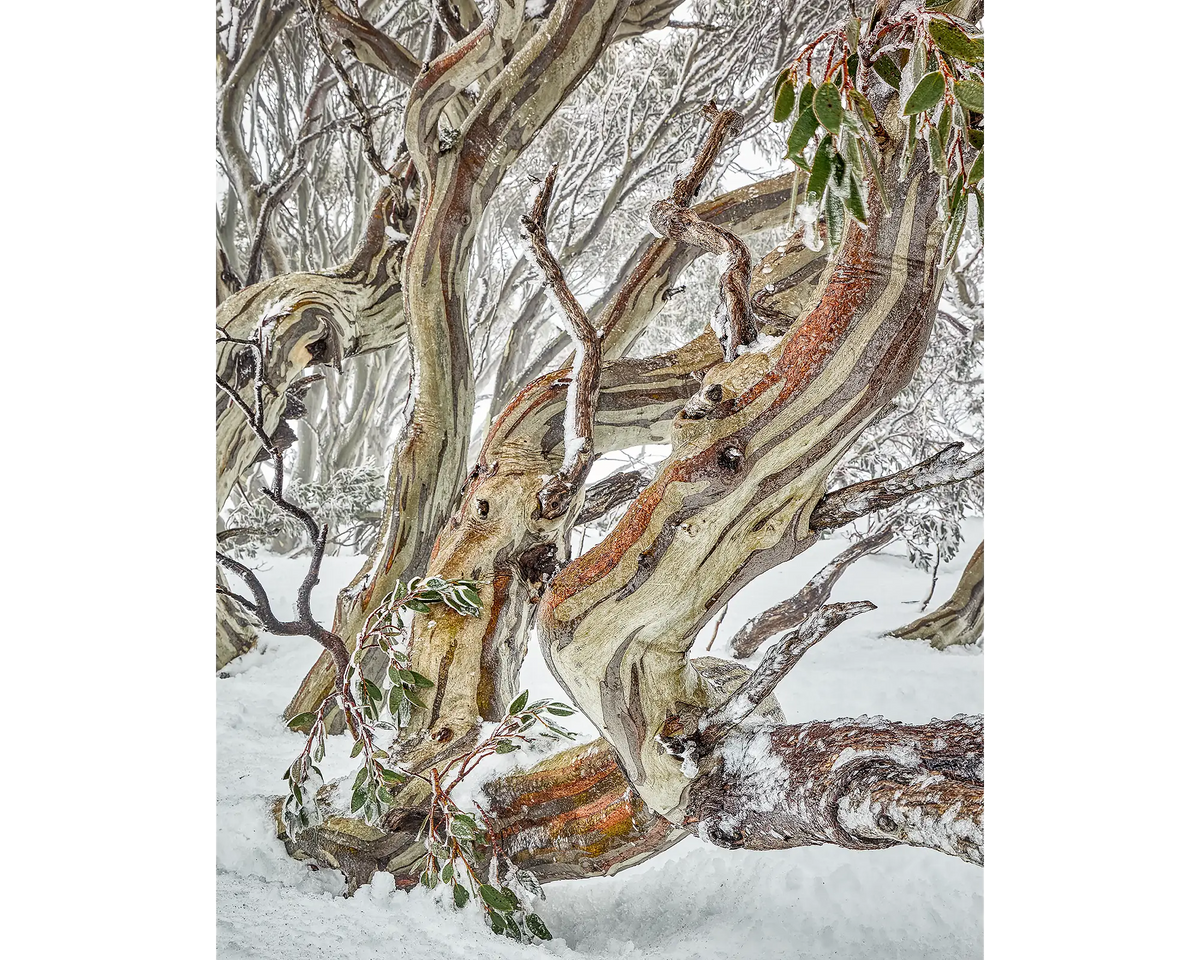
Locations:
{"points": [[554, 498], [539, 563], [731, 459]]}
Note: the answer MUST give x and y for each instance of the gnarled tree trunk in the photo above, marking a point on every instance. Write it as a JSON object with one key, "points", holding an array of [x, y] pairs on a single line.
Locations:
{"points": [[757, 411]]}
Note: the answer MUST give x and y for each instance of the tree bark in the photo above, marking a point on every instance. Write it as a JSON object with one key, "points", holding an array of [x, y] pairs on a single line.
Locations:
{"points": [[237, 632], [958, 621], [754, 433]]}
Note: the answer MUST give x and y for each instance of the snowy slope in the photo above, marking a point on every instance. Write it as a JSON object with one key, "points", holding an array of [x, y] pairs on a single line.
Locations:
{"points": [[695, 901]]}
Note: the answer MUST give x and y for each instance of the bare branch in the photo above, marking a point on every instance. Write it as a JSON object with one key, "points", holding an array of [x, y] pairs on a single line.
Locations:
{"points": [[368, 44], [671, 218], [949, 465], [611, 492], [305, 624], [797, 609], [816, 621], [366, 120], [584, 390]]}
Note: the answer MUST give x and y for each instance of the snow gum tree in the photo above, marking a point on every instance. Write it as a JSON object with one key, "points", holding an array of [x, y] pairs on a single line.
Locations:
{"points": [[881, 110]]}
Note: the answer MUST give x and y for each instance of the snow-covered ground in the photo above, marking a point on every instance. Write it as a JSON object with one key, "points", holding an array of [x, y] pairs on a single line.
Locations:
{"points": [[695, 901]]}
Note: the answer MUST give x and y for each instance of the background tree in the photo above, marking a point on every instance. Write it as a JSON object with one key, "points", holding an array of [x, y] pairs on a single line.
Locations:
{"points": [[811, 343]]}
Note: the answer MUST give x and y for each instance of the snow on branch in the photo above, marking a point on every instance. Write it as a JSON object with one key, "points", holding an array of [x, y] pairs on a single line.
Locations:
{"points": [[584, 389], [862, 784], [815, 622], [795, 610], [949, 465]]}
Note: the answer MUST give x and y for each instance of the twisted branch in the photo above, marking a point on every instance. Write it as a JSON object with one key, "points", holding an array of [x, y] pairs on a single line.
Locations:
{"points": [[584, 390]]}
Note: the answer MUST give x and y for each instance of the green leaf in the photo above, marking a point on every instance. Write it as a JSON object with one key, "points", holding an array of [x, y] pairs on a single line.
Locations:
{"points": [[391, 776], [854, 156], [916, 61], [864, 107], [822, 166], [802, 131], [362, 775], [566, 734], [943, 124], [395, 700], [910, 147], [417, 606], [783, 75], [420, 680], [461, 896], [976, 173], [505, 746], [975, 138], [956, 193], [302, 721], [852, 28], [464, 827], [979, 212], [413, 698], [954, 233], [495, 899], [497, 922], [835, 219], [429, 879], [970, 94], [805, 98], [373, 691], [837, 176], [357, 749], [530, 883], [827, 105], [937, 154], [472, 596], [358, 799], [927, 94], [536, 927], [855, 204], [559, 710], [886, 67], [785, 99], [519, 704], [448, 872], [954, 42]]}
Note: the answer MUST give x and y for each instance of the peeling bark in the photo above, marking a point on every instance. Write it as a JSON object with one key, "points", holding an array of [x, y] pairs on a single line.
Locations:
{"points": [[860, 784], [755, 424]]}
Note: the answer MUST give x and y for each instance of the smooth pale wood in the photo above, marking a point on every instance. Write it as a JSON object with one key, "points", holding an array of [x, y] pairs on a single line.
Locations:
{"points": [[958, 621]]}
